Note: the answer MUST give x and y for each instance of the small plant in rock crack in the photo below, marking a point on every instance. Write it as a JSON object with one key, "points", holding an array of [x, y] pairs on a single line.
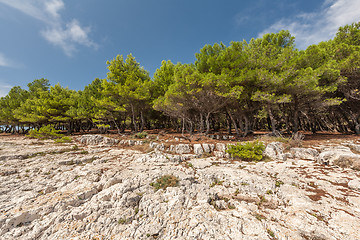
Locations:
{"points": [[278, 183], [271, 233], [216, 182], [231, 206], [75, 147], [259, 216], [165, 182], [122, 221], [269, 192], [236, 192]]}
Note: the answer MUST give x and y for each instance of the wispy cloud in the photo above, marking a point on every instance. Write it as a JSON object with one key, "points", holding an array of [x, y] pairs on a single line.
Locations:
{"points": [[3, 61], [66, 35], [6, 62], [314, 27], [4, 89]]}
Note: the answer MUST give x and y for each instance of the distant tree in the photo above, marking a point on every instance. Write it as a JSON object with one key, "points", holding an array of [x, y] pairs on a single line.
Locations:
{"points": [[347, 53], [12, 101], [32, 111], [126, 90]]}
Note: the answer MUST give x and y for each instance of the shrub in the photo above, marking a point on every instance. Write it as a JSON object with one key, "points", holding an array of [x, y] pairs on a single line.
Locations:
{"points": [[164, 182], [250, 151], [63, 140], [45, 132], [75, 147], [141, 135]]}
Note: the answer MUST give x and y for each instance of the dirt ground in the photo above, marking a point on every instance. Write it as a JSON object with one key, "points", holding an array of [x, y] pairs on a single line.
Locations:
{"points": [[170, 136]]}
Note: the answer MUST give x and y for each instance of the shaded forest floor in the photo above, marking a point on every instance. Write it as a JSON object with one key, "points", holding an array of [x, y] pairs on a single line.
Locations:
{"points": [[172, 136]]}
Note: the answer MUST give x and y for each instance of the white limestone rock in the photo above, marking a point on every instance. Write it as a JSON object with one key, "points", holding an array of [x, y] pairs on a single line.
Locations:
{"points": [[201, 163], [340, 156], [354, 184], [274, 151], [221, 147], [304, 153], [115, 196], [97, 140], [208, 148], [182, 148], [198, 150]]}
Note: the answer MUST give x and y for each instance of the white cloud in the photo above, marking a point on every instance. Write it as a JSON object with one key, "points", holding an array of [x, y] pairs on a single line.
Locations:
{"points": [[30, 7], [3, 61], [64, 35], [54, 6], [314, 27], [67, 37], [6, 62]]}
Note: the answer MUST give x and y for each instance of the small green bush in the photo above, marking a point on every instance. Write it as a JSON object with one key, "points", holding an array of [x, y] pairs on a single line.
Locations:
{"points": [[141, 135], [75, 147], [278, 183], [63, 140], [216, 182], [164, 182], [250, 151], [45, 132]]}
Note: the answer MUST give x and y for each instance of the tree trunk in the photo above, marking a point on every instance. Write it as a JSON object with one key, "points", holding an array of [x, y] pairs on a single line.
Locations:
{"points": [[191, 128], [235, 125], [116, 126], [183, 127], [296, 115], [207, 124], [201, 123], [133, 119], [272, 119], [357, 125], [228, 120], [246, 127], [142, 121]]}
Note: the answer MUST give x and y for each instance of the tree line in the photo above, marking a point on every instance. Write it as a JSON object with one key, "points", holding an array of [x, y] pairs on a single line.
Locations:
{"points": [[263, 84]]}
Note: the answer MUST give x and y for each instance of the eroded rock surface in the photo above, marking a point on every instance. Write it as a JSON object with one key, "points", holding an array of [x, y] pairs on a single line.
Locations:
{"points": [[61, 191]]}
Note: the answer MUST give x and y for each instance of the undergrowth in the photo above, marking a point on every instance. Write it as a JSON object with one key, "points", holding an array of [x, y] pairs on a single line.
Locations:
{"points": [[45, 132], [250, 151], [165, 182]]}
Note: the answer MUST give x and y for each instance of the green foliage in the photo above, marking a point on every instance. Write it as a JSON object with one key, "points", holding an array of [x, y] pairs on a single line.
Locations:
{"points": [[75, 147], [141, 135], [64, 139], [123, 221], [278, 183], [45, 132], [165, 182], [126, 91], [271, 233], [265, 83], [250, 151], [216, 182]]}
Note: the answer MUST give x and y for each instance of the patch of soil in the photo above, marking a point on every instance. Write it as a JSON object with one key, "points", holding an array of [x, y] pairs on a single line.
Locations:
{"points": [[319, 193]]}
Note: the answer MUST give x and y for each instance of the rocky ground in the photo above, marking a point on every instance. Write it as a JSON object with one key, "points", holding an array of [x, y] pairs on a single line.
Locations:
{"points": [[75, 191]]}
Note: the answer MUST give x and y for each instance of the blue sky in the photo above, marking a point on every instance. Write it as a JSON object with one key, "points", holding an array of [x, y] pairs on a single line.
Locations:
{"points": [[69, 42]]}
